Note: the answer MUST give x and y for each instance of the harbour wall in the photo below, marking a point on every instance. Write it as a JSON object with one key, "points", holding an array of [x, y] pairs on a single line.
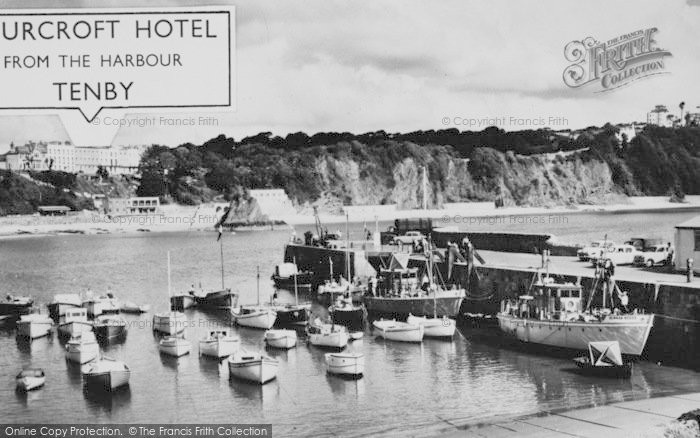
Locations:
{"points": [[674, 339], [505, 242]]}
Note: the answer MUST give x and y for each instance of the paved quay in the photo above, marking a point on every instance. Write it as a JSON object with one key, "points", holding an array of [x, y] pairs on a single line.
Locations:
{"points": [[572, 266], [639, 418]]}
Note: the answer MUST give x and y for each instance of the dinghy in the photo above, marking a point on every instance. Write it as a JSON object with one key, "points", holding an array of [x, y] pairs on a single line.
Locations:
{"points": [[252, 367], [30, 378], [434, 327], [106, 374], [174, 346], [393, 330], [604, 360], [283, 338], [347, 364], [74, 322], [34, 326], [219, 344], [82, 348], [327, 335]]}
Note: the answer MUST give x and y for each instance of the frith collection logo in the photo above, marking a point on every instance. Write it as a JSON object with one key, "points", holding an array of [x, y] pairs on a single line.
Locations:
{"points": [[608, 65]]}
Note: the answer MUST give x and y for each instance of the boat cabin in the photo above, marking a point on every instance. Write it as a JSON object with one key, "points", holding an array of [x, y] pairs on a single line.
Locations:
{"points": [[76, 314], [398, 282], [549, 300]]}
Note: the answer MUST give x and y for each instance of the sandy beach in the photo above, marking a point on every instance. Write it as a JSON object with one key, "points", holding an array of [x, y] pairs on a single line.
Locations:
{"points": [[175, 218]]}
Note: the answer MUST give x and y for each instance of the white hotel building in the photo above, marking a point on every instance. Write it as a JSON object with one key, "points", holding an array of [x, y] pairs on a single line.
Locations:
{"points": [[65, 157]]}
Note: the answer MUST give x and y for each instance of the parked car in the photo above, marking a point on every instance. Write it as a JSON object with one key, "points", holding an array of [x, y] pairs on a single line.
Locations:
{"points": [[409, 238], [594, 249], [619, 255], [653, 255]]}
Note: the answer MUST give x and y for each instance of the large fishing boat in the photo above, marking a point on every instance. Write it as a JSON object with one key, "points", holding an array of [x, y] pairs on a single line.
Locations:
{"points": [[398, 293], [553, 314]]}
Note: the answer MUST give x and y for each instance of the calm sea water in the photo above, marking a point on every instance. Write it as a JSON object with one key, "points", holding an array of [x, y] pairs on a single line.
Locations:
{"points": [[406, 388]]}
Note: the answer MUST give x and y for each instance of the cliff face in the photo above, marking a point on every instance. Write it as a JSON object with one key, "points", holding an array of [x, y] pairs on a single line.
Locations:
{"points": [[335, 169], [539, 180]]}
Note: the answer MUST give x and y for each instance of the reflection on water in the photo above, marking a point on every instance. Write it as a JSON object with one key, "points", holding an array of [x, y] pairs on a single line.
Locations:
{"points": [[469, 379]]}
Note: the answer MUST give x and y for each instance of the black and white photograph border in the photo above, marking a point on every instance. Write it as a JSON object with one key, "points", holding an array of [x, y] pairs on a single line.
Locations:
{"points": [[420, 218]]}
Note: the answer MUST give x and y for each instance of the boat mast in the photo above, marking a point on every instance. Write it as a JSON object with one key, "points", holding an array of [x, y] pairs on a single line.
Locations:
{"points": [[430, 275], [258, 282], [221, 250], [296, 291], [168, 273], [347, 247]]}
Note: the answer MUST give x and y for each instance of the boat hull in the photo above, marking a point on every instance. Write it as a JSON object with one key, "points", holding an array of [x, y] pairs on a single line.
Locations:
{"points": [[109, 332], [108, 380], [175, 349], [222, 299], [292, 315], [353, 319], [15, 309], [632, 334], [336, 340], [435, 327], [623, 371], [33, 329], [258, 371], [400, 332], [25, 384], [74, 328], [219, 348], [182, 302], [169, 324], [304, 282], [264, 319], [400, 308], [284, 339], [82, 353], [348, 365]]}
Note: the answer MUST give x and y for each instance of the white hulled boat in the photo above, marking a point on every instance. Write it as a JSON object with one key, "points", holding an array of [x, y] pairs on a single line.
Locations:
{"points": [[63, 302], [106, 374], [346, 363], [169, 323], [435, 327], [393, 330], [253, 367], [74, 322], [553, 315], [219, 343], [254, 316], [30, 378], [82, 348], [102, 304], [174, 346], [261, 317], [34, 326], [282, 338], [327, 335]]}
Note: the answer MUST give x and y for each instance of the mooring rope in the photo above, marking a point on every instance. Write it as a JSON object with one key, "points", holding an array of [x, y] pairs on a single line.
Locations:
{"points": [[695, 321]]}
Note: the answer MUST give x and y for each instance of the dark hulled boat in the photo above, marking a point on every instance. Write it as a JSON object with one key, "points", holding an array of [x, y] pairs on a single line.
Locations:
{"points": [[347, 314], [284, 278], [16, 306], [292, 314], [108, 327], [218, 299]]}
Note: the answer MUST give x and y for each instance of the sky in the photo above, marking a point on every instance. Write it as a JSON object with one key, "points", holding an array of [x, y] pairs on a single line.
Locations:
{"points": [[406, 65]]}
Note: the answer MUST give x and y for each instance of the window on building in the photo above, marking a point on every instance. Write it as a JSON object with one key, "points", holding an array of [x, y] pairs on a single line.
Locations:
{"points": [[697, 240]]}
